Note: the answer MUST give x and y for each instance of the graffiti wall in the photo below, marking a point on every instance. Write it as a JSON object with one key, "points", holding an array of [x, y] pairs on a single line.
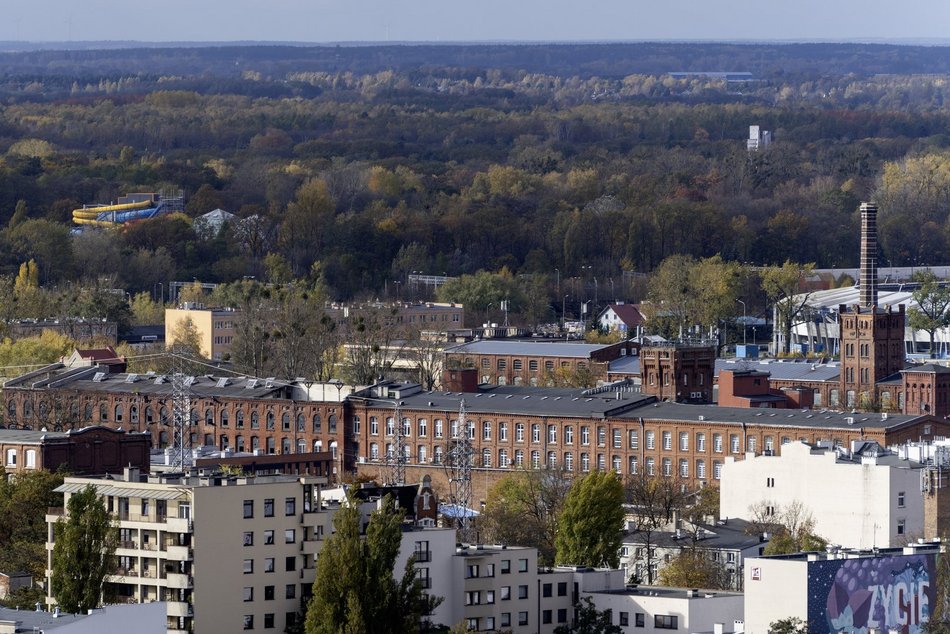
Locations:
{"points": [[880, 594]]}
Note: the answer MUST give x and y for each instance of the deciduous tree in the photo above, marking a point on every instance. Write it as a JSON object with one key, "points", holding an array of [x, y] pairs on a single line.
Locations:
{"points": [[356, 589], [589, 620], [783, 286], [83, 553], [590, 524], [933, 301]]}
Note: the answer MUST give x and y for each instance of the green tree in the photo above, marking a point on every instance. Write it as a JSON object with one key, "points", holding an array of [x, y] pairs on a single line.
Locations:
{"points": [[590, 524], [84, 552], [652, 502], [782, 285], [693, 568], [790, 625], [146, 311], [356, 590], [933, 300], [791, 528], [24, 501], [522, 510], [589, 620]]}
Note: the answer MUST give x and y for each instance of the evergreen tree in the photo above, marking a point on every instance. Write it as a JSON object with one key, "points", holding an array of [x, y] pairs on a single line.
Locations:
{"points": [[589, 527], [356, 590], [83, 553]]}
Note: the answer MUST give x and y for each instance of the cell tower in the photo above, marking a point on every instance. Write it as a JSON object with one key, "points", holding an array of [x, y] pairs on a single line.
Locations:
{"points": [[397, 457], [459, 465], [181, 412]]}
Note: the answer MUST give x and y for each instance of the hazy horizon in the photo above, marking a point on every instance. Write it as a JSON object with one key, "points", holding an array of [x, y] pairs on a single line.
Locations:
{"points": [[491, 21]]}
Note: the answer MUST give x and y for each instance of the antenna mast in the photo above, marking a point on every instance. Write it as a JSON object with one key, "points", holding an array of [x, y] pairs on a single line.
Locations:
{"points": [[397, 458], [459, 463], [181, 413]]}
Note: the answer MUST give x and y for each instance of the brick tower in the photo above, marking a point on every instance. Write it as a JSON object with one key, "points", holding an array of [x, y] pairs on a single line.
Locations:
{"points": [[872, 338]]}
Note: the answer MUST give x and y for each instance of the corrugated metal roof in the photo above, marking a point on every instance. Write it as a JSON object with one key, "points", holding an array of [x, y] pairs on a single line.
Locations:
{"points": [[784, 370], [528, 348]]}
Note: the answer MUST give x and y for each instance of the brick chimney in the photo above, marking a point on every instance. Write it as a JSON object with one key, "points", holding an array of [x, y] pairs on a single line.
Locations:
{"points": [[868, 279]]}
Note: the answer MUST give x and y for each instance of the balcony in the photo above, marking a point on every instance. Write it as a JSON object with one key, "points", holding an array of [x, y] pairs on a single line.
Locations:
{"points": [[179, 608], [179, 580], [178, 553], [178, 525], [422, 556]]}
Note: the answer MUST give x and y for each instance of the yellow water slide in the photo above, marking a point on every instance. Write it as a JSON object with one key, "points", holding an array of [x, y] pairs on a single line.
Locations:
{"points": [[90, 215]]}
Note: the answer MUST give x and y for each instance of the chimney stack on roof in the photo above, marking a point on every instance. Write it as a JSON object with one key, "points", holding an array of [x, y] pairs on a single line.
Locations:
{"points": [[868, 278]]}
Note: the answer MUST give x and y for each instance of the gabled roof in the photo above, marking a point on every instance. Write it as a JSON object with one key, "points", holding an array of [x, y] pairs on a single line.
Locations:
{"points": [[629, 314]]}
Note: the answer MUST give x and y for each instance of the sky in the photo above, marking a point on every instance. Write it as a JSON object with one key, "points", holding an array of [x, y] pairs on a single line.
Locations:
{"points": [[324, 21]]}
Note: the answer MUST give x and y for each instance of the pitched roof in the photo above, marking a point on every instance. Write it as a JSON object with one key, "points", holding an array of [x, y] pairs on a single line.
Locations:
{"points": [[628, 313]]}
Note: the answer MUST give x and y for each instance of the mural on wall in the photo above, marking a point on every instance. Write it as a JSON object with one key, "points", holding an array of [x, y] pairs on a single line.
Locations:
{"points": [[880, 594]]}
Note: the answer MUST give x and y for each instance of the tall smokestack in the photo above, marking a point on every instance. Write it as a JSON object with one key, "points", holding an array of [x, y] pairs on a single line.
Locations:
{"points": [[868, 282]]}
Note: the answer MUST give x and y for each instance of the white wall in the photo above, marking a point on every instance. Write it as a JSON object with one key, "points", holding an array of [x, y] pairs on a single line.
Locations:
{"points": [[697, 614], [774, 589], [854, 505]]}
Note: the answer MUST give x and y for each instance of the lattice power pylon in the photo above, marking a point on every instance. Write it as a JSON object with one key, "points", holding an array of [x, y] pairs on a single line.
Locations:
{"points": [[458, 462], [397, 457], [181, 414]]}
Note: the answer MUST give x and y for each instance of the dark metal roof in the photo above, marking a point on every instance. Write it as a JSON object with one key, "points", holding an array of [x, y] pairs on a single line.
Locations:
{"points": [[784, 370], [528, 348]]}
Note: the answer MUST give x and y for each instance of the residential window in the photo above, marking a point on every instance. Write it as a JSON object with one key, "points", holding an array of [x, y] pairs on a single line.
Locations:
{"points": [[667, 467], [248, 566], [651, 467], [248, 508], [522, 592], [734, 443], [503, 432], [717, 443], [535, 459], [505, 566], [519, 432], [522, 618], [601, 436], [519, 458], [522, 565], [667, 441], [634, 439], [700, 441], [11, 457], [547, 616], [615, 463], [617, 438], [569, 461], [423, 428], [269, 564], [585, 435], [585, 462], [901, 525], [624, 619], [552, 434], [269, 507], [552, 460], [269, 621], [248, 594], [632, 467], [373, 425], [290, 592], [249, 538], [438, 427], [684, 468], [768, 443], [665, 622], [505, 619], [717, 470], [900, 499], [248, 621], [562, 615], [486, 457], [290, 535], [503, 458], [268, 538], [268, 593], [684, 441], [639, 619], [701, 469], [651, 440], [569, 435], [486, 430], [751, 443], [535, 432], [290, 506]]}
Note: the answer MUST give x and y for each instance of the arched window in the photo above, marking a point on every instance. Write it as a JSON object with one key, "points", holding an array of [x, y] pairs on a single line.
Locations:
{"points": [[163, 415], [255, 443], [224, 442], [28, 409], [87, 412], [11, 409], [44, 410], [301, 445], [134, 414], [271, 445], [285, 445], [225, 418], [118, 414], [270, 421], [317, 424], [193, 417], [239, 419], [103, 411], [285, 421], [74, 411], [301, 423], [332, 422], [209, 440], [209, 417], [163, 439], [255, 420], [486, 457], [239, 443]]}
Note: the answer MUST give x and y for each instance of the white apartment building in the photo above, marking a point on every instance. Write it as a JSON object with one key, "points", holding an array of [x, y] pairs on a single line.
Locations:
{"points": [[859, 497], [656, 610], [226, 554]]}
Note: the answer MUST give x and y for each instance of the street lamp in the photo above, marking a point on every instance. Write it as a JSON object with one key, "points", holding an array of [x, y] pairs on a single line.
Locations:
{"points": [[743, 320]]}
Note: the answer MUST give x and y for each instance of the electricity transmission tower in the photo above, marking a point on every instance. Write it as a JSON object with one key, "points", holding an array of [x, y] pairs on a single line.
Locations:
{"points": [[458, 463]]}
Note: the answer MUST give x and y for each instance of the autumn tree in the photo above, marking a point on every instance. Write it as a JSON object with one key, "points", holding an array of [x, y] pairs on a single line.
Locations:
{"points": [[652, 502], [83, 553], [791, 528], [146, 311], [590, 523], [933, 301], [357, 588], [522, 510], [694, 568], [783, 286], [686, 292]]}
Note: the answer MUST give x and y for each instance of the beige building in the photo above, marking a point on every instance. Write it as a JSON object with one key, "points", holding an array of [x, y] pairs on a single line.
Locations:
{"points": [[215, 328], [226, 554]]}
